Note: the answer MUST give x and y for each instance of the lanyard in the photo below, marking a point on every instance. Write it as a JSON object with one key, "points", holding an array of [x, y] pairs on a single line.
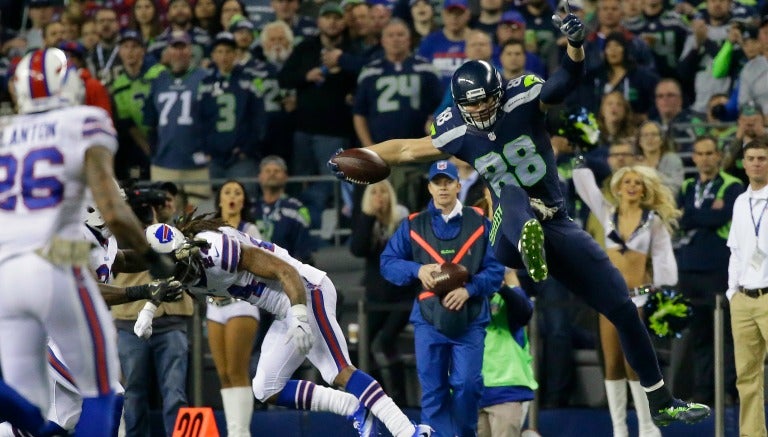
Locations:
{"points": [[100, 55], [752, 216], [699, 194]]}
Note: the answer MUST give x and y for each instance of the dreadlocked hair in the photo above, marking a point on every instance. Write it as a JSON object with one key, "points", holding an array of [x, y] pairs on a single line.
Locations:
{"points": [[190, 224]]}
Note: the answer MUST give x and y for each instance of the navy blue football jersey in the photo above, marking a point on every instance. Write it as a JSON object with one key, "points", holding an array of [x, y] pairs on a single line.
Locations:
{"points": [[517, 151]]}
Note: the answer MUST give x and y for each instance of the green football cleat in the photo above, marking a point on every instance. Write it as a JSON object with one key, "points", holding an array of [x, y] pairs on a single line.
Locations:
{"points": [[531, 248], [679, 411]]}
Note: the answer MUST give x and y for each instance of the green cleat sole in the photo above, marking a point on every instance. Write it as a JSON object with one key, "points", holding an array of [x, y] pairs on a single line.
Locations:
{"points": [[532, 250]]}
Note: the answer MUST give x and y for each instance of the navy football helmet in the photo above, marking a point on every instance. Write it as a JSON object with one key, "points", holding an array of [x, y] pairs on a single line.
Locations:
{"points": [[474, 83]]}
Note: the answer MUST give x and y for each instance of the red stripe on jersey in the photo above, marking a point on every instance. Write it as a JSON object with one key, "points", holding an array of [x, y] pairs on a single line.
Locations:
{"points": [[37, 86]]}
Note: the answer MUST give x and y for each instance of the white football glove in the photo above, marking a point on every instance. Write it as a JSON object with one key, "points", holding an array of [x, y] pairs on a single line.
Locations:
{"points": [[299, 331], [143, 326]]}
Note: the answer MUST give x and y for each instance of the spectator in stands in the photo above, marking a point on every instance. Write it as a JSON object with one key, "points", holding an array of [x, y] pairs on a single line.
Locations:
{"points": [[53, 34], [751, 125], [445, 47], [664, 32], [127, 90], [609, 16], [619, 73], [669, 112], [72, 25], [166, 352], [615, 119], [302, 27], [245, 38], [747, 281], [643, 212], [537, 15], [279, 103], [478, 46], [657, 150], [372, 228], [472, 185], [709, 29], [717, 127], [169, 112], [41, 12], [104, 57], [96, 94], [508, 378], [281, 219], [390, 111], [231, 133], [489, 17], [231, 10], [512, 59], [512, 28], [232, 323], [449, 330], [380, 16], [146, 20], [702, 260], [89, 37], [180, 21], [422, 21], [206, 16], [753, 78], [323, 116]]}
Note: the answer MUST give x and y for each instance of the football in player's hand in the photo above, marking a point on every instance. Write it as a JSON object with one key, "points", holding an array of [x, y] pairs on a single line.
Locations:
{"points": [[361, 166], [450, 277]]}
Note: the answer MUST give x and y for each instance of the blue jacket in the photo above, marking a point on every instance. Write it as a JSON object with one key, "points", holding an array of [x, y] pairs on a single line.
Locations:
{"points": [[398, 267]]}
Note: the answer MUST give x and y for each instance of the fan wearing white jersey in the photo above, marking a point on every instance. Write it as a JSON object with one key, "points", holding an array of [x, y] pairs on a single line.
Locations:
{"points": [[231, 263], [50, 154]]}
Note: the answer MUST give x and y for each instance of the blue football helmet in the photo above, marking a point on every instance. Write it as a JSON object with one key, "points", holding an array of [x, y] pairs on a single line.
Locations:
{"points": [[473, 83]]}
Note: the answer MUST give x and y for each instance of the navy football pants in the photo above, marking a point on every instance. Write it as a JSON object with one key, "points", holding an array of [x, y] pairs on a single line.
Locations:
{"points": [[576, 260]]}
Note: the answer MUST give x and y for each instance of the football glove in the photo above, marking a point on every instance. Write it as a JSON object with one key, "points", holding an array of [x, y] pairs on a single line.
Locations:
{"points": [[299, 331], [572, 28], [143, 326]]}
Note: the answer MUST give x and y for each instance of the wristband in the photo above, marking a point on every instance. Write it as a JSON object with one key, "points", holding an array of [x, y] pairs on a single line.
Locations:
{"points": [[137, 292], [299, 311]]}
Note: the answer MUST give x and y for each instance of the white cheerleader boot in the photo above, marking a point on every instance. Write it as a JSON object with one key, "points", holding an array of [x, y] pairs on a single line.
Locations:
{"points": [[238, 409], [616, 391]]}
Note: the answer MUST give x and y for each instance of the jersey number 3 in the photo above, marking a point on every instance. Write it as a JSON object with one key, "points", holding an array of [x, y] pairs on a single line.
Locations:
{"points": [[36, 192], [518, 164]]}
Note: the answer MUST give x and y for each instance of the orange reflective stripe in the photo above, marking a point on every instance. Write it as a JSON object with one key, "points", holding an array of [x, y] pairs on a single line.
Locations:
{"points": [[413, 215], [425, 295], [465, 248], [424, 245]]}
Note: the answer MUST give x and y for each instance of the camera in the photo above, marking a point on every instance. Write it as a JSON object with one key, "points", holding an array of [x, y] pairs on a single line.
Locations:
{"points": [[143, 196]]}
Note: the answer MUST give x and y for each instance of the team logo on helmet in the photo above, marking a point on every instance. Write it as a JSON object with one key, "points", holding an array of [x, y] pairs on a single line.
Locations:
{"points": [[164, 234]]}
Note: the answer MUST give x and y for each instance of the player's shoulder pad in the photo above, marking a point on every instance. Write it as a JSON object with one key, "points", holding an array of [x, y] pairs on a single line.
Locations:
{"points": [[448, 126], [521, 90]]}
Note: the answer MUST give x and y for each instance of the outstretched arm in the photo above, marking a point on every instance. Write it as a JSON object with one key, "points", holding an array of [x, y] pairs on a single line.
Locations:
{"points": [[401, 151], [268, 266], [567, 77]]}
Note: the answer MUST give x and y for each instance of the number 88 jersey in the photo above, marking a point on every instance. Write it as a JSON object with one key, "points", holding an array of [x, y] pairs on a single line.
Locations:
{"points": [[515, 151], [42, 181]]}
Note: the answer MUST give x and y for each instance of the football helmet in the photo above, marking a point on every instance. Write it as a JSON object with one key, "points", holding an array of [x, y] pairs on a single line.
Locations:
{"points": [[473, 83], [44, 80], [165, 238], [580, 126]]}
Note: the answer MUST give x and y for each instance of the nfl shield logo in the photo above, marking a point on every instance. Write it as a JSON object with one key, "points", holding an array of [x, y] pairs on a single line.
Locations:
{"points": [[442, 165]]}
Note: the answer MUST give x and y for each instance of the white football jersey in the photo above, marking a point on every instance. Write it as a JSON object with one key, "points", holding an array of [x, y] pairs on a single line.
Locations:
{"points": [[221, 274], [42, 182], [103, 254]]}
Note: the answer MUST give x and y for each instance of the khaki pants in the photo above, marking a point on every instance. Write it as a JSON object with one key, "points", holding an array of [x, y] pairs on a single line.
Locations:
{"points": [[502, 420], [749, 322], [197, 192]]}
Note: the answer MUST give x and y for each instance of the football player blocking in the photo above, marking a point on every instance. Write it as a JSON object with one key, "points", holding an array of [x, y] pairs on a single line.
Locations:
{"points": [[500, 131], [219, 260]]}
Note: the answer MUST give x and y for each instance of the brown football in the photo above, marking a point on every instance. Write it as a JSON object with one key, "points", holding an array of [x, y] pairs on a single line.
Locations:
{"points": [[450, 277], [361, 166]]}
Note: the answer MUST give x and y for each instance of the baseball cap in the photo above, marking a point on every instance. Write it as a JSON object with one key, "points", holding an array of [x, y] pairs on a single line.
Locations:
{"points": [[179, 37], [273, 159], [513, 17], [74, 48], [346, 3], [41, 3], [750, 108], [330, 8], [413, 2], [130, 35], [444, 168], [749, 32], [241, 24], [224, 38], [461, 4]]}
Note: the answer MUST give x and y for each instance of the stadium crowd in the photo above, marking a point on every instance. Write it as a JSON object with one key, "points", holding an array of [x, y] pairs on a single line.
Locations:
{"points": [[207, 91]]}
